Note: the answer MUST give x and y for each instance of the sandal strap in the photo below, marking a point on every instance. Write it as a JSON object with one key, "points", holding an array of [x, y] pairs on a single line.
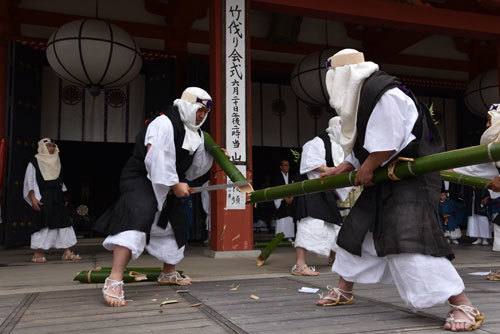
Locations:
{"points": [[340, 293], [114, 284], [302, 268], [470, 311], [175, 275]]}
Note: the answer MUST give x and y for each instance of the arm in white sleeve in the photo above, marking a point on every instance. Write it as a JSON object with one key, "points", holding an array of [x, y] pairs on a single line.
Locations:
{"points": [[391, 122], [313, 155], [351, 159], [202, 161], [160, 159], [30, 184]]}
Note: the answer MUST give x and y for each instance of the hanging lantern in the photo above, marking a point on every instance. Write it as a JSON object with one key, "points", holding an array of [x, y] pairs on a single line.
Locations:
{"points": [[308, 78], [482, 92], [94, 54]]}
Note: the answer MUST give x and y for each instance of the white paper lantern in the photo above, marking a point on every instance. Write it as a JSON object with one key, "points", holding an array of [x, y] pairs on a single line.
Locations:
{"points": [[482, 92], [94, 54], [308, 78]]}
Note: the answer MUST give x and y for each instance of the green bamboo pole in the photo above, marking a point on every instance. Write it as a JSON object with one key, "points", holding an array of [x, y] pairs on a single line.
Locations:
{"points": [[427, 164], [269, 248], [227, 166], [464, 179], [261, 244], [99, 274]]}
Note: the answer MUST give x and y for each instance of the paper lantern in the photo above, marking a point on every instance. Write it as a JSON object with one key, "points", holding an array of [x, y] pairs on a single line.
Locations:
{"points": [[482, 92], [308, 78], [94, 54]]}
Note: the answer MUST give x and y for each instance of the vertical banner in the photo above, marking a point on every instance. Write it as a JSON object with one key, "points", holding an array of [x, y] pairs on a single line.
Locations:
{"points": [[235, 94]]}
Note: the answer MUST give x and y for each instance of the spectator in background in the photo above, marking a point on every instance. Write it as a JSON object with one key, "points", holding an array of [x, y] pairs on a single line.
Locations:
{"points": [[284, 221], [44, 191]]}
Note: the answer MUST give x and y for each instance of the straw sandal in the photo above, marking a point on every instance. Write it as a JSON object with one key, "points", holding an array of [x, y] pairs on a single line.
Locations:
{"points": [[493, 276], [475, 318], [38, 259], [173, 278], [114, 284], [304, 270], [338, 300], [71, 257]]}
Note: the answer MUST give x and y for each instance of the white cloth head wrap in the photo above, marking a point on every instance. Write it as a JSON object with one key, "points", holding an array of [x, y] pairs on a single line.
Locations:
{"points": [[49, 164], [192, 99], [334, 133], [492, 134], [345, 75]]}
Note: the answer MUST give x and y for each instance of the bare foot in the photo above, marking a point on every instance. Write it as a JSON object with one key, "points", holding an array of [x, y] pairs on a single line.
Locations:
{"points": [[113, 294], [463, 315], [336, 296], [38, 258]]}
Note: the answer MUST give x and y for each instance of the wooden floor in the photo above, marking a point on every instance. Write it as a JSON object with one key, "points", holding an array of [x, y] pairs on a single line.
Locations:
{"points": [[279, 309]]}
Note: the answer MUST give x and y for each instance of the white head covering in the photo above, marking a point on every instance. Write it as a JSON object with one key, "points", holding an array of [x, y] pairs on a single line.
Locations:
{"points": [[346, 72], [492, 134], [49, 164], [192, 99], [334, 133]]}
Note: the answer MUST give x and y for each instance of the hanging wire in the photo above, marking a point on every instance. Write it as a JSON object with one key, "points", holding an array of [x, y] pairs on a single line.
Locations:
{"points": [[326, 34], [96, 9]]}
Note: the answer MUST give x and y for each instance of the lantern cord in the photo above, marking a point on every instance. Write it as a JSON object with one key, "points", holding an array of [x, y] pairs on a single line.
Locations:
{"points": [[326, 33], [96, 9]]}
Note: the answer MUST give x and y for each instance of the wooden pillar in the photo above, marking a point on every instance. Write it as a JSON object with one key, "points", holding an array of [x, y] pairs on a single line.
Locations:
{"points": [[231, 229], [498, 65], [3, 85]]}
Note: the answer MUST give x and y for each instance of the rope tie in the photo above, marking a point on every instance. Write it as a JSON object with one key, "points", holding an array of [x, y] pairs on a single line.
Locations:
{"points": [[392, 165]]}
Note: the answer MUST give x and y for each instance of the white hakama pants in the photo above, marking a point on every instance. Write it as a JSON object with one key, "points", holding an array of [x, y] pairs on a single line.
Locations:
{"points": [[60, 238], [162, 244], [496, 237], [286, 226], [421, 280], [478, 227], [317, 236]]}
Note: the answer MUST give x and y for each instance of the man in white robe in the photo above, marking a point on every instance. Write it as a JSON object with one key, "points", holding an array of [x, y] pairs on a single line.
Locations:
{"points": [[42, 183], [170, 146], [388, 119], [478, 226], [314, 234]]}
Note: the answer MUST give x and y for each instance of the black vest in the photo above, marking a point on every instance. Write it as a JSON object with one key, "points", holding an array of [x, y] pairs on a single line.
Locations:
{"points": [[322, 205], [137, 205], [401, 214], [53, 213]]}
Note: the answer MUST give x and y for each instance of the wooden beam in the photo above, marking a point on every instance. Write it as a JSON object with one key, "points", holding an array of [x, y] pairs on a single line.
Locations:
{"points": [[392, 15], [49, 19]]}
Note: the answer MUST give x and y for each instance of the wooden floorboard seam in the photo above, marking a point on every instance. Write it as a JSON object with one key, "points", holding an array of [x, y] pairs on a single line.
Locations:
{"points": [[212, 314], [378, 302], [11, 321]]}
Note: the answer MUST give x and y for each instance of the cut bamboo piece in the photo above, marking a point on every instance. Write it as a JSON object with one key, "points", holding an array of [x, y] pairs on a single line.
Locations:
{"points": [[269, 248], [227, 166], [130, 275], [169, 302], [427, 164]]}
